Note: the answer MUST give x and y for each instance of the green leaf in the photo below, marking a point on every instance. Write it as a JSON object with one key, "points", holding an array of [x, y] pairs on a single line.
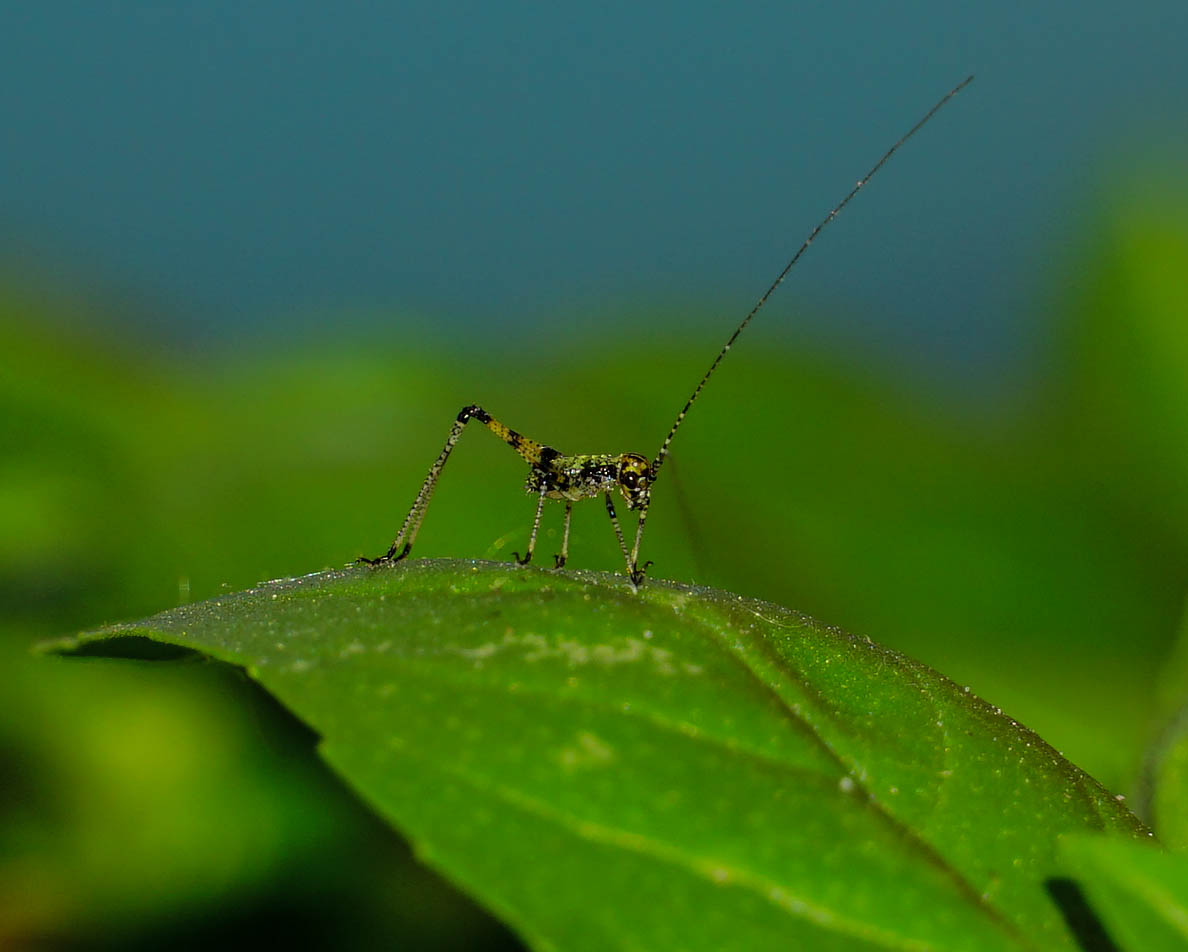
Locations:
{"points": [[1139, 892], [1164, 788], [1129, 349], [1169, 801], [669, 768], [1163, 785]]}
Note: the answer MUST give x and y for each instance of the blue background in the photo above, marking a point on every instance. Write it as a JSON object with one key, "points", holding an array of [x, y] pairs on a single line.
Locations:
{"points": [[219, 169]]}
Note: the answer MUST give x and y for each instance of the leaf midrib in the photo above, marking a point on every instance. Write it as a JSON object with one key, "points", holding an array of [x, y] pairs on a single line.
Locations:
{"points": [[924, 849]]}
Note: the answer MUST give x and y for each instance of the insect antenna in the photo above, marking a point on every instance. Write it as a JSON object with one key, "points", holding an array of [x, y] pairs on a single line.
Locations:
{"points": [[660, 456]]}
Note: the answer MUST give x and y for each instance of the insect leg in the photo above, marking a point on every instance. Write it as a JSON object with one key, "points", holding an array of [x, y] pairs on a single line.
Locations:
{"points": [[559, 560], [535, 528], [610, 509], [633, 569], [412, 522]]}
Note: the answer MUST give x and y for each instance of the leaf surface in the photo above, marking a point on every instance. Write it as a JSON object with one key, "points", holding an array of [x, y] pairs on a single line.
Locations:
{"points": [[669, 768]]}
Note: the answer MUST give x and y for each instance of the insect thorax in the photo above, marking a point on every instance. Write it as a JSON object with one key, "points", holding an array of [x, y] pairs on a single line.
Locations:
{"points": [[581, 477]]}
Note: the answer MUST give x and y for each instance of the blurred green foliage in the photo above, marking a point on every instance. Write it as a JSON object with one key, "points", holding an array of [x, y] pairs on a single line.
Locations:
{"points": [[1138, 892], [1036, 552]]}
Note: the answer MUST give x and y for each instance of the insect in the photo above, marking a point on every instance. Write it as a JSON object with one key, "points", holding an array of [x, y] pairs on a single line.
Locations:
{"points": [[569, 479]]}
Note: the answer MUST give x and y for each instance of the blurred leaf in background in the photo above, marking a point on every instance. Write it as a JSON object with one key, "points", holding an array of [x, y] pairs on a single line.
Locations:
{"points": [[1037, 555], [1139, 892], [1162, 788]]}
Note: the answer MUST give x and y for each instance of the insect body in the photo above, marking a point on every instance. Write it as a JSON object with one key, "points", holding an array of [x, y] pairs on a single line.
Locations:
{"points": [[554, 475]]}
